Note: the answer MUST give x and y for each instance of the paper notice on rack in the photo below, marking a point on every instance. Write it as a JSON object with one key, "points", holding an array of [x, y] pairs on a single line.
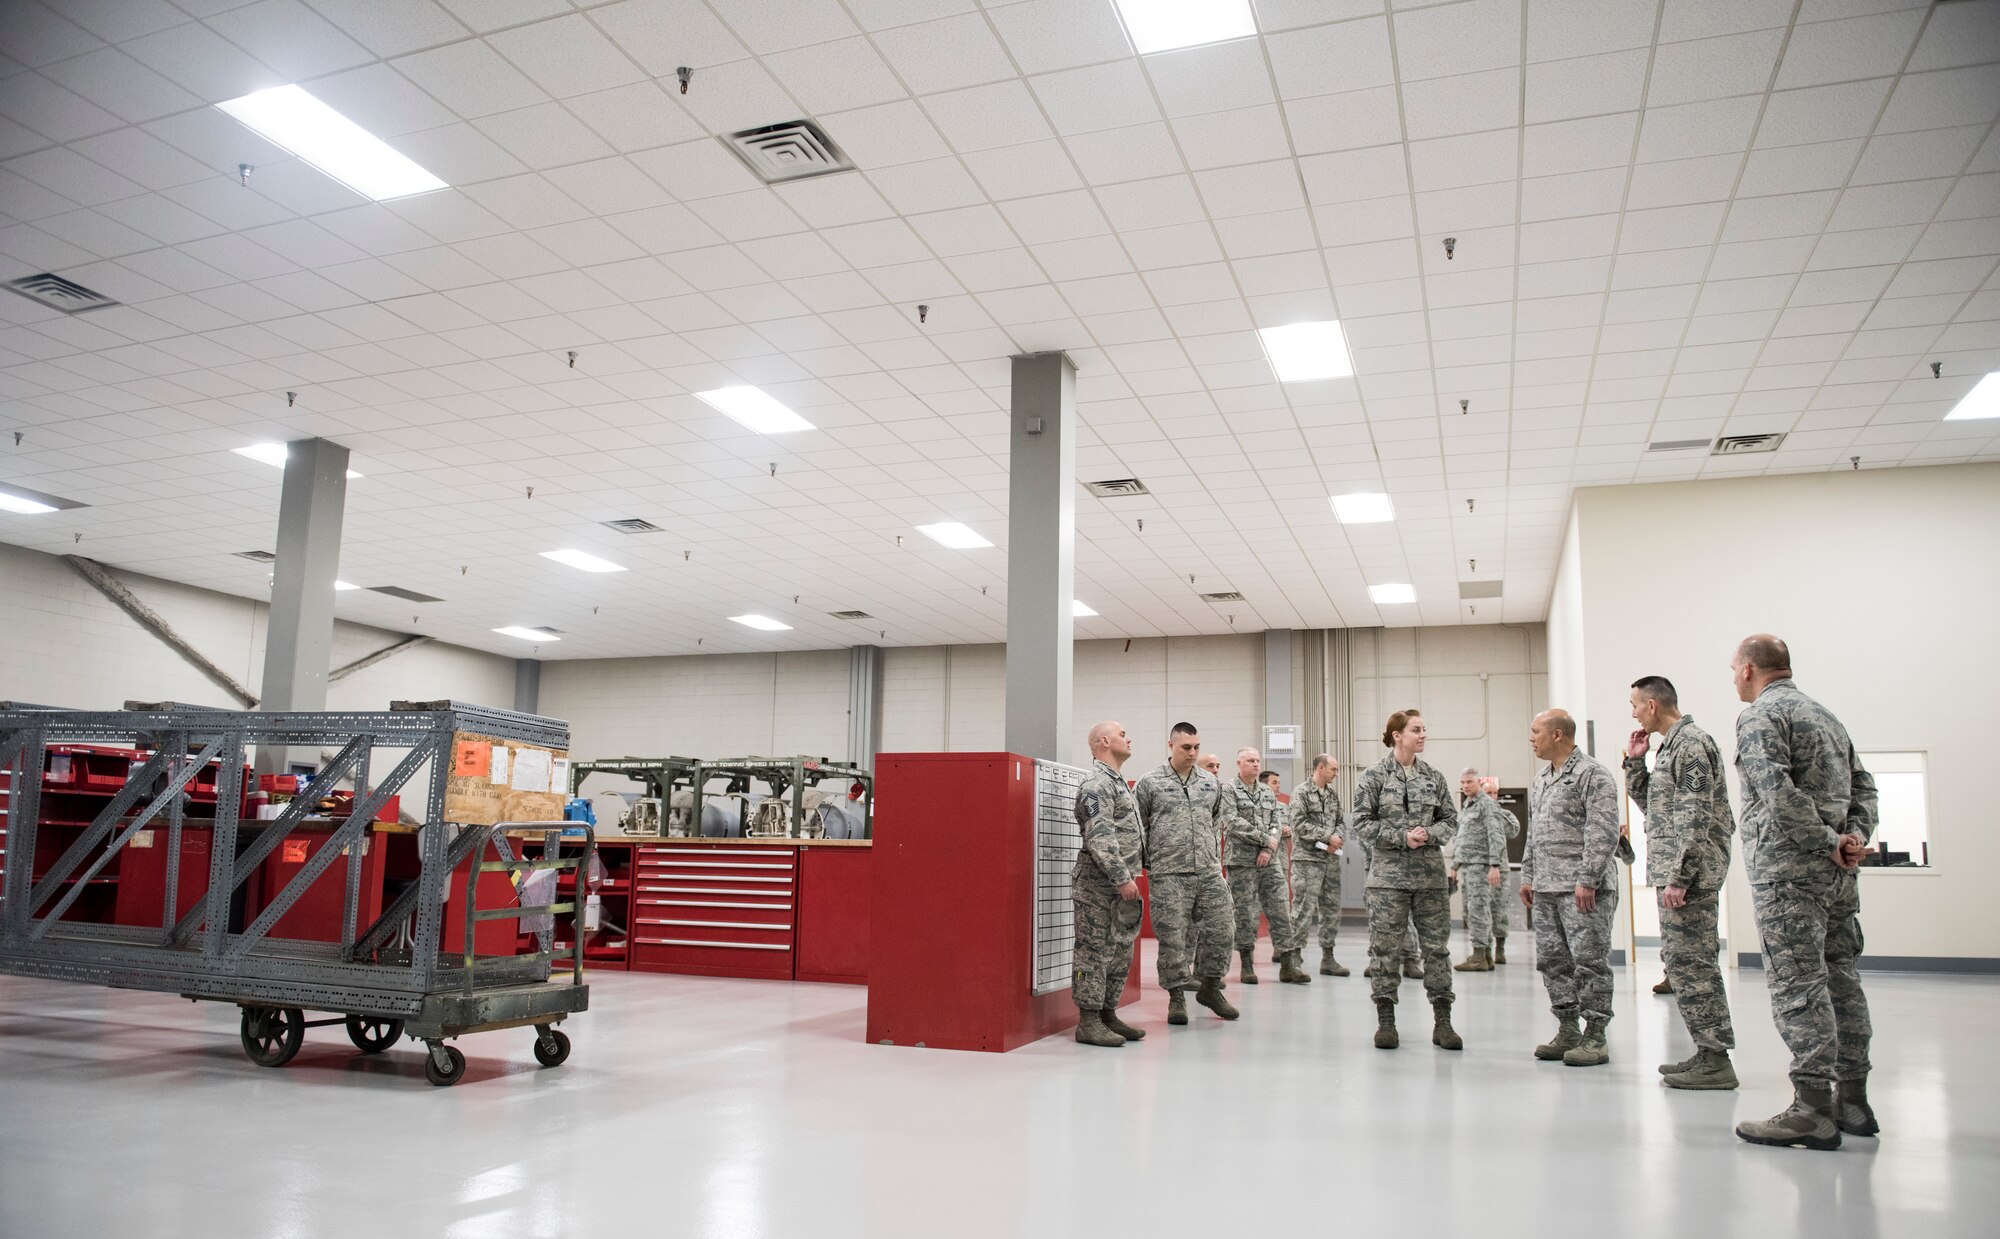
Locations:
{"points": [[559, 778], [532, 768], [497, 770], [470, 758]]}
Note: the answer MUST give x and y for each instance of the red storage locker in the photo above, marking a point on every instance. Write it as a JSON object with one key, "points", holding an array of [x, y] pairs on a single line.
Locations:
{"points": [[715, 910], [835, 907], [316, 915]]}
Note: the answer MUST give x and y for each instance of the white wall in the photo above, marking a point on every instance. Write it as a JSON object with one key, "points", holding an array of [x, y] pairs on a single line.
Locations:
{"points": [[1477, 685], [63, 643], [1885, 584]]}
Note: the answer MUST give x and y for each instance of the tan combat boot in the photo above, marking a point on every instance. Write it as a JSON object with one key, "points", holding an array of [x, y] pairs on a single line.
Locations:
{"points": [[1177, 1006], [1563, 1042], [1807, 1123], [1090, 1030], [1852, 1111], [1385, 1025], [1210, 996], [1442, 1034], [1590, 1049], [1481, 960], [1289, 971], [1329, 966], [1413, 969], [1249, 976], [1112, 1022], [1710, 1070], [1664, 987], [1499, 950]]}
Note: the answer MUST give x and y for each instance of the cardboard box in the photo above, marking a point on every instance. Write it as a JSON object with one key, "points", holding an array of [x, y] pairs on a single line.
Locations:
{"points": [[495, 781]]}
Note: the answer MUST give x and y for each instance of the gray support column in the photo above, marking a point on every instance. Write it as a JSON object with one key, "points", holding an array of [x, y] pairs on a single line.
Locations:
{"points": [[528, 685], [1041, 557], [1278, 701], [864, 705], [298, 649]]}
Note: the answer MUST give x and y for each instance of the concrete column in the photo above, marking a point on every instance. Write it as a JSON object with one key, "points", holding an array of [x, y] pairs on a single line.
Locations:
{"points": [[864, 705], [299, 649], [528, 685], [1041, 557], [1278, 702]]}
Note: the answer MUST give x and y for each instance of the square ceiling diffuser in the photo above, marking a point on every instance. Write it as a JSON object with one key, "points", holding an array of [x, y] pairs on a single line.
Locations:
{"points": [[788, 151]]}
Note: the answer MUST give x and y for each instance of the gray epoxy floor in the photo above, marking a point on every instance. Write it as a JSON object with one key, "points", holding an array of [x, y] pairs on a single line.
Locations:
{"points": [[747, 1108]]}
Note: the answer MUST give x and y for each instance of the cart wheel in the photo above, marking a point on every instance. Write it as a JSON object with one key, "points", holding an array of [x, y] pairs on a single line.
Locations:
{"points": [[551, 1046], [371, 1034], [272, 1035], [452, 1074]]}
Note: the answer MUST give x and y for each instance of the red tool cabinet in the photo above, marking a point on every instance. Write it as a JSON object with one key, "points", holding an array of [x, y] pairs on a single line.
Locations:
{"points": [[773, 909], [952, 937]]}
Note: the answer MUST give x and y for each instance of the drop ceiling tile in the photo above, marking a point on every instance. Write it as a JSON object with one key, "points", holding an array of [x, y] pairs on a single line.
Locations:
{"points": [[1849, 49], [1328, 59], [1044, 35], [1691, 129], [1216, 78], [470, 79], [1223, 139], [1440, 107], [289, 37], [1561, 29], [1116, 155], [947, 54], [1704, 69], [1822, 113], [544, 136], [1458, 38], [1586, 86], [1563, 147], [665, 34], [1343, 121], [1943, 99]]}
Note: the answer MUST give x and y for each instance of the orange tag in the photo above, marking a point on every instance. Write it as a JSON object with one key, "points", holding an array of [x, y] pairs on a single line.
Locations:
{"points": [[295, 851], [473, 758]]}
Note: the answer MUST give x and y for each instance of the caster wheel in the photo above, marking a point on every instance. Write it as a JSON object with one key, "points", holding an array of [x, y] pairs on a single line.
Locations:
{"points": [[450, 1076], [551, 1052], [371, 1034], [272, 1035]]}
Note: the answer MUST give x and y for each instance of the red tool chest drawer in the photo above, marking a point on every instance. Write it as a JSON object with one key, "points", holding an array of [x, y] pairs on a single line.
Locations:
{"points": [[714, 911]]}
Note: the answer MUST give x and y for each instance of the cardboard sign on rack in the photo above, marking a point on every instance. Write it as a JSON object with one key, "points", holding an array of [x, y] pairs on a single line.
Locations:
{"points": [[495, 781]]}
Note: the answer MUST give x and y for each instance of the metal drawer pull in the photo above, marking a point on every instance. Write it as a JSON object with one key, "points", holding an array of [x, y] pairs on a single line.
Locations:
{"points": [[712, 890], [740, 946], [715, 903], [723, 924]]}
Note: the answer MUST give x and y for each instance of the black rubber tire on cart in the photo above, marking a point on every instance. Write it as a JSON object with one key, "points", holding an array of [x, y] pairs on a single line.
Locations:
{"points": [[444, 1079], [372, 1034], [552, 1057], [272, 1035]]}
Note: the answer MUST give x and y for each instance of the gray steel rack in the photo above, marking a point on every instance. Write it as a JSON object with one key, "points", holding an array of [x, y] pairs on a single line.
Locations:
{"points": [[380, 991]]}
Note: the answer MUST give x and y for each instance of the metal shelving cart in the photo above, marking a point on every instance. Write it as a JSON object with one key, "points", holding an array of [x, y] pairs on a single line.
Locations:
{"points": [[378, 989]]}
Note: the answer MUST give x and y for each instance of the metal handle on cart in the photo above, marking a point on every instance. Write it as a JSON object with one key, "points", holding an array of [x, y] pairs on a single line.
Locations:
{"points": [[551, 859]]}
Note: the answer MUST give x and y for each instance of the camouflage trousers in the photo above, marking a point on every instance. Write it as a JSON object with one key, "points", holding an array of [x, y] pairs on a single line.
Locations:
{"points": [[1253, 887], [1392, 913], [1573, 953], [1690, 951], [1315, 903], [1106, 928], [1812, 938], [1484, 906], [1191, 917]]}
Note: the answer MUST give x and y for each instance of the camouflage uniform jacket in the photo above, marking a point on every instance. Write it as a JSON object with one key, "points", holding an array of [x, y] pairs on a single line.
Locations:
{"points": [[1113, 840], [1483, 833], [1572, 827], [1388, 804], [1315, 818], [1803, 786], [1249, 820], [1183, 820], [1688, 822]]}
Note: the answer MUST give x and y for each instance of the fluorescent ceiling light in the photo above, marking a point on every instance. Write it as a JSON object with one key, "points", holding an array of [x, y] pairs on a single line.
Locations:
{"points": [[1163, 25], [24, 506], [755, 409], [1078, 609], [342, 587], [1982, 401], [1362, 508], [954, 535], [293, 119], [527, 634], [272, 454], [583, 560], [1303, 352], [1391, 595], [762, 623]]}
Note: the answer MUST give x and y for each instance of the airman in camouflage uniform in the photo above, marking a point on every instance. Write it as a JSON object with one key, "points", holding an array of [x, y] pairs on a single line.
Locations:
{"points": [[1480, 863], [1181, 807], [1252, 833], [1403, 813], [1568, 879], [1688, 825], [1105, 889], [1809, 810], [1317, 836]]}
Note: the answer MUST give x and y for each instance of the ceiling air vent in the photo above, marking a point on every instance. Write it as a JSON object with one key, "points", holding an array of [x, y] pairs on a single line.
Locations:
{"points": [[57, 293], [407, 595], [788, 151], [1746, 445], [850, 615], [1227, 595], [1676, 445], [1478, 589], [1117, 488], [262, 557], [631, 525]]}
